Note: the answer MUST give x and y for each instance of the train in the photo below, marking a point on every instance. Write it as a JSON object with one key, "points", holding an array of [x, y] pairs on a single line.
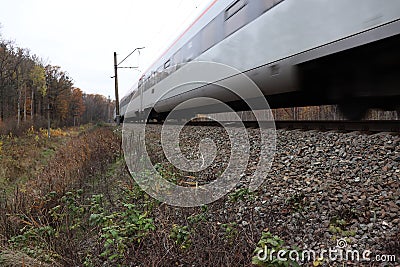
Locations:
{"points": [[298, 52]]}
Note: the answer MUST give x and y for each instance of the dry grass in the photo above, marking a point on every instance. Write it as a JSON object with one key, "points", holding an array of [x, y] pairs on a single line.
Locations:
{"points": [[9, 258], [38, 173]]}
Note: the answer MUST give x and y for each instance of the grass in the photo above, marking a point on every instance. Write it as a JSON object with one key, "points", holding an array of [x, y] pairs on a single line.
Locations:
{"points": [[43, 206], [79, 206], [10, 258], [22, 158]]}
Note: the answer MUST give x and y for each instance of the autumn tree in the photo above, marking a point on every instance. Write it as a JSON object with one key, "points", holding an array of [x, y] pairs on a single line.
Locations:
{"points": [[38, 88], [77, 107], [9, 64], [98, 108], [59, 91], [28, 88]]}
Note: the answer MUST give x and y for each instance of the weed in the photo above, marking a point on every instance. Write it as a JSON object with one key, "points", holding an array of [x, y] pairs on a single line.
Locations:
{"points": [[88, 261], [201, 217], [267, 246], [53, 132], [339, 226], [181, 236], [120, 228], [230, 230], [167, 174], [46, 216], [297, 202], [240, 194], [39, 236], [197, 218], [36, 242]]}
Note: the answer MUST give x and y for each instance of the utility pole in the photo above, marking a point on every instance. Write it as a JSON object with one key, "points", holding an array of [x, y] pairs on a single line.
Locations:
{"points": [[117, 115], [117, 111]]}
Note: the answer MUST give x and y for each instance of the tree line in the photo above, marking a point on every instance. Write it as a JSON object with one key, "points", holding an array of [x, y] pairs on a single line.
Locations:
{"points": [[32, 91]]}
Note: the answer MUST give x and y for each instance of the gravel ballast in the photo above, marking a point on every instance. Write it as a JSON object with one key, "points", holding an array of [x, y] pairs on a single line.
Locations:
{"points": [[322, 187]]}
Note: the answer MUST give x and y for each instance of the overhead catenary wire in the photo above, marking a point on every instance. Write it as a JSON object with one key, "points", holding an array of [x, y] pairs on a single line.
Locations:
{"points": [[138, 48], [184, 21]]}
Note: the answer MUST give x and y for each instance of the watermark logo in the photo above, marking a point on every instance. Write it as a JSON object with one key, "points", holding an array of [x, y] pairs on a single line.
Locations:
{"points": [[341, 243], [197, 88], [342, 252]]}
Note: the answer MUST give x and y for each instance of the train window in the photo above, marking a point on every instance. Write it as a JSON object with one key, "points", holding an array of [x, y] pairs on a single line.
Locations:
{"points": [[167, 64], [151, 79], [178, 57], [209, 35], [234, 8], [159, 74], [189, 51], [237, 19], [267, 4], [147, 84]]}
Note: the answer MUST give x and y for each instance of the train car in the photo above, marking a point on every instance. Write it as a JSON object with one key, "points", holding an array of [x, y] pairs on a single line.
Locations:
{"points": [[298, 52]]}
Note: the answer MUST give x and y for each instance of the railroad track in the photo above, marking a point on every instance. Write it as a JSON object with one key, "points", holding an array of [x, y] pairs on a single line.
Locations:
{"points": [[363, 126]]}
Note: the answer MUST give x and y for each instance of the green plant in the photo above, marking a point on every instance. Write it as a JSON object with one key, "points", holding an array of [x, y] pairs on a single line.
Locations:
{"points": [[97, 215], [38, 237], [338, 226], [240, 194], [88, 261], [195, 218], [297, 202], [181, 236], [36, 242], [271, 251], [120, 228], [230, 230], [47, 217], [74, 209], [167, 174]]}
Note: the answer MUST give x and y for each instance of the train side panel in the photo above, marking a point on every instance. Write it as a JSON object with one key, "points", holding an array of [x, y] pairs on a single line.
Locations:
{"points": [[270, 48]]}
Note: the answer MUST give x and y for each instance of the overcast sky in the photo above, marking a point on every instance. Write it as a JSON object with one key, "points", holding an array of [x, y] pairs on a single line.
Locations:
{"points": [[81, 35]]}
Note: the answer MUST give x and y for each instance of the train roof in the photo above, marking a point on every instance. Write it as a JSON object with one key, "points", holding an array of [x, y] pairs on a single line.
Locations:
{"points": [[208, 13]]}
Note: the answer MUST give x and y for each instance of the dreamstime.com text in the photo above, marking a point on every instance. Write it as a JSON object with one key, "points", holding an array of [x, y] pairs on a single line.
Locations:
{"points": [[337, 254]]}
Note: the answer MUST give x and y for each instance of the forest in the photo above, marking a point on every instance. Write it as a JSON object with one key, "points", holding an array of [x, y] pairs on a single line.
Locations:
{"points": [[32, 91]]}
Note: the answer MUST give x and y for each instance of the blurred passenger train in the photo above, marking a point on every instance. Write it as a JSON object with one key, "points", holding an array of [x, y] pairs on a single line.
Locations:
{"points": [[298, 52]]}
